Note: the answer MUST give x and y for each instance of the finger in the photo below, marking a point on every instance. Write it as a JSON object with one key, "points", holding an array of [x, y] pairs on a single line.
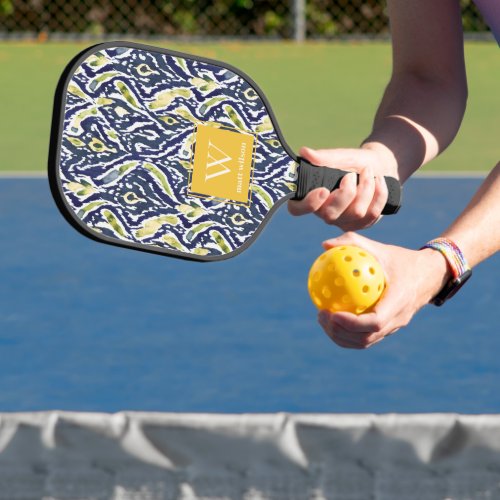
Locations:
{"points": [[343, 343], [353, 341], [356, 215], [365, 191], [380, 196], [392, 310], [366, 208], [338, 334], [362, 340], [358, 224], [376, 338], [378, 323], [348, 338], [372, 343], [311, 203], [362, 324], [338, 201], [324, 318], [341, 339]]}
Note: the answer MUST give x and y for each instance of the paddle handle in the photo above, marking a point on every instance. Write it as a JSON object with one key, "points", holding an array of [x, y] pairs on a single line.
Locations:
{"points": [[312, 177]]}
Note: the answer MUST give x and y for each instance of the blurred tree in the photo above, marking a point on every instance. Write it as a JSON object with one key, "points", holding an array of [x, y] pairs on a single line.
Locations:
{"points": [[235, 18]]}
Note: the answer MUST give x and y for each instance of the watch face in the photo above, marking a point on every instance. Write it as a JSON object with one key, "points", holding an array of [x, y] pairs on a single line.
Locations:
{"points": [[451, 288]]}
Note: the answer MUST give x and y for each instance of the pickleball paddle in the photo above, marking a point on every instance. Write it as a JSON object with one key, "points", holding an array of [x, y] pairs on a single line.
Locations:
{"points": [[171, 153]]}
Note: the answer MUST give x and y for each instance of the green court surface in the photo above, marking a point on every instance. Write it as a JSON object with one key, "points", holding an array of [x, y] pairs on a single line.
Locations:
{"points": [[324, 95]]}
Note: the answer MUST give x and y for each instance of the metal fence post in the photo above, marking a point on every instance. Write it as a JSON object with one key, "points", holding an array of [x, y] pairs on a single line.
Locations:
{"points": [[299, 20]]}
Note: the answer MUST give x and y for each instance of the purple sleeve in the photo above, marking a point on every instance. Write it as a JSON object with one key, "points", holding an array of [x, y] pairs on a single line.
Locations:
{"points": [[490, 9]]}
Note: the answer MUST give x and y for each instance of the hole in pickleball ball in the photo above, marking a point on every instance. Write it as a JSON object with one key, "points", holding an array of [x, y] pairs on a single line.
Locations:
{"points": [[339, 281], [356, 273], [362, 254], [348, 258], [317, 276], [372, 270], [326, 292], [346, 299], [317, 301], [360, 309], [330, 268], [336, 306], [366, 289], [379, 287]]}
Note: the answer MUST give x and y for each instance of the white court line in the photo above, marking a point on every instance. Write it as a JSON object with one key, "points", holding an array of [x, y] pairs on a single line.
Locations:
{"points": [[23, 175], [454, 174]]}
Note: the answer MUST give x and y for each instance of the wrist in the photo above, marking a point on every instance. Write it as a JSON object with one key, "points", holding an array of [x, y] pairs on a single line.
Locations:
{"points": [[386, 157], [437, 274]]}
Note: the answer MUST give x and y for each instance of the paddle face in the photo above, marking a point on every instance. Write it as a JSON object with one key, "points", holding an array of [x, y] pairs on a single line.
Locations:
{"points": [[165, 152]]}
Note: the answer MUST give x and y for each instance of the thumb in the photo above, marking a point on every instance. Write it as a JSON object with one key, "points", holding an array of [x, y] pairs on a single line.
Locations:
{"points": [[311, 155], [349, 238], [339, 158]]}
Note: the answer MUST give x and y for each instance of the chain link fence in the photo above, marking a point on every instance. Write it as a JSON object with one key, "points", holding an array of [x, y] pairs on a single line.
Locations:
{"points": [[284, 19]]}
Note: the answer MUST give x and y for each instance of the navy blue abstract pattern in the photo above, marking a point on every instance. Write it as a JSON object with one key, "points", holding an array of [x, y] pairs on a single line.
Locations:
{"points": [[127, 143]]}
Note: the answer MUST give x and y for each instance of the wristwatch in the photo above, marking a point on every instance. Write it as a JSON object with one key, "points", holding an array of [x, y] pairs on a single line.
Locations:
{"points": [[460, 270]]}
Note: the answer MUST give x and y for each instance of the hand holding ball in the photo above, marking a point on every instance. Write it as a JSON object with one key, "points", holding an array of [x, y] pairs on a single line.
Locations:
{"points": [[346, 278]]}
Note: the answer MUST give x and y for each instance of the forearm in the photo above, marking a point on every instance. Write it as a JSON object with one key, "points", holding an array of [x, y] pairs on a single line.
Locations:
{"points": [[416, 120], [424, 103], [477, 230]]}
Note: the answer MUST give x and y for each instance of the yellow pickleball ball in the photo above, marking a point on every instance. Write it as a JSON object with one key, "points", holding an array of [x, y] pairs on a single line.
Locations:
{"points": [[346, 278]]}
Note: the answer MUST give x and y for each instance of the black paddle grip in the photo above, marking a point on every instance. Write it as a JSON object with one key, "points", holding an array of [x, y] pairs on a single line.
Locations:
{"points": [[311, 177]]}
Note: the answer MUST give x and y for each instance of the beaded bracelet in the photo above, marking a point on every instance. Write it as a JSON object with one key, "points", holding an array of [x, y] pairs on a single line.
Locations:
{"points": [[460, 269], [452, 254]]}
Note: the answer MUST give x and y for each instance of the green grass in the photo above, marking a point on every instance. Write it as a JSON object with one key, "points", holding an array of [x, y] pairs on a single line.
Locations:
{"points": [[323, 94]]}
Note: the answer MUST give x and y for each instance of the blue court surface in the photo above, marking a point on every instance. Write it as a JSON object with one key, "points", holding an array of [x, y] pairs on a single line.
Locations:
{"points": [[91, 327]]}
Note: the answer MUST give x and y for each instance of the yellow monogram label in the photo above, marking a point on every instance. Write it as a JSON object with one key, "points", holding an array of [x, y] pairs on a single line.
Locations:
{"points": [[222, 163]]}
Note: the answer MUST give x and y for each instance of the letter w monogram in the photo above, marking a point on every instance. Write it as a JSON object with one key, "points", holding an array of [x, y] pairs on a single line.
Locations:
{"points": [[217, 160]]}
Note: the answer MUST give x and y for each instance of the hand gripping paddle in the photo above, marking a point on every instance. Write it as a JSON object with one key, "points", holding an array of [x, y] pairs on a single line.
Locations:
{"points": [[171, 153]]}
